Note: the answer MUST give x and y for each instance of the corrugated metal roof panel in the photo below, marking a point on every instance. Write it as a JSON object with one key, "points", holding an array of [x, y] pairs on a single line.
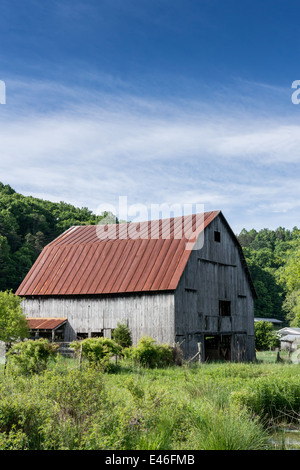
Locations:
{"points": [[134, 257], [45, 323]]}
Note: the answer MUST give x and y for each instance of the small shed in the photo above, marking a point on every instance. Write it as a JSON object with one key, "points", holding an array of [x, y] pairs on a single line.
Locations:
{"points": [[49, 328], [289, 338]]}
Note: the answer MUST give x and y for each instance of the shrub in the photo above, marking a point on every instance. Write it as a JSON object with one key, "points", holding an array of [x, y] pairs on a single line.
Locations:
{"points": [[31, 357], [97, 351], [51, 410], [265, 337], [21, 418], [149, 354], [14, 440], [122, 335]]}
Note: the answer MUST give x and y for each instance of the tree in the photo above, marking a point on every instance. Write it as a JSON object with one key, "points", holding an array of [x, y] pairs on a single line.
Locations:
{"points": [[289, 276], [13, 324], [246, 238], [265, 336], [7, 267], [122, 335], [269, 293], [268, 253], [292, 308]]}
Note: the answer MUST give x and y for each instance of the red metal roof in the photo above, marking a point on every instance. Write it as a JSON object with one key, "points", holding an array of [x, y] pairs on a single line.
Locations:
{"points": [[45, 323], [117, 258]]}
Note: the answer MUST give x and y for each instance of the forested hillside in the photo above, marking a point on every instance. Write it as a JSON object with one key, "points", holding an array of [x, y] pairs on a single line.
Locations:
{"points": [[27, 224], [273, 257]]}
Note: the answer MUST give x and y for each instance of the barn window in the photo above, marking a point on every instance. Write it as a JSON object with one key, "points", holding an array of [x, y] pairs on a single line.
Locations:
{"points": [[217, 236], [81, 336], [97, 334], [224, 308]]}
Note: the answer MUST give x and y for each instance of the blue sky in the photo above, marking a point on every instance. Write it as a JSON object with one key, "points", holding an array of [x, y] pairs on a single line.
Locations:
{"points": [[164, 102]]}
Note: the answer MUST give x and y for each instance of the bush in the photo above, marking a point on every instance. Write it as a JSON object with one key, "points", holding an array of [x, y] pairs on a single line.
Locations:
{"points": [[149, 354], [31, 357], [50, 411], [265, 337], [14, 440], [122, 335], [97, 351]]}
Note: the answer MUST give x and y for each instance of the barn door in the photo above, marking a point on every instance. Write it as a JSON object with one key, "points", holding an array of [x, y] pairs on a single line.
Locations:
{"points": [[217, 348]]}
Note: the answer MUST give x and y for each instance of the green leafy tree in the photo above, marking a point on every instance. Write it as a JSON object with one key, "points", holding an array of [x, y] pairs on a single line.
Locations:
{"points": [[267, 253], [289, 277], [265, 336], [7, 267], [13, 323], [292, 308], [122, 335], [246, 237], [269, 292]]}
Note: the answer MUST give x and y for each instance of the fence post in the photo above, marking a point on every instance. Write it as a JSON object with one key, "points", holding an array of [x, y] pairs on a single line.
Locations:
{"points": [[200, 352], [80, 356]]}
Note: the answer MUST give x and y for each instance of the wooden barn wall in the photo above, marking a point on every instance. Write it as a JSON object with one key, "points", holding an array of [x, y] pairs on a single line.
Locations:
{"points": [[214, 273], [145, 314]]}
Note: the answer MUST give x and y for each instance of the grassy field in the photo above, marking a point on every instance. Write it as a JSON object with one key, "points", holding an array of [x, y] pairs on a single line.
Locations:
{"points": [[217, 406], [270, 357]]}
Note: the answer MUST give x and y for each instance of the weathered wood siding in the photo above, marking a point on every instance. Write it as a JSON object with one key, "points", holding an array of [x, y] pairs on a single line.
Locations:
{"points": [[215, 273], [145, 314]]}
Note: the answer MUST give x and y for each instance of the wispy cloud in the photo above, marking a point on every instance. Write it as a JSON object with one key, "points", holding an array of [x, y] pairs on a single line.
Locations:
{"points": [[90, 148]]}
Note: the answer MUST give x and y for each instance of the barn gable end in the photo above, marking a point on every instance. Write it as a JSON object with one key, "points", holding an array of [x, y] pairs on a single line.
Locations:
{"points": [[214, 301]]}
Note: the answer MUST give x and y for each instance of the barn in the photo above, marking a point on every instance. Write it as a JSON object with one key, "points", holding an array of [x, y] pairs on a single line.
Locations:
{"points": [[182, 279]]}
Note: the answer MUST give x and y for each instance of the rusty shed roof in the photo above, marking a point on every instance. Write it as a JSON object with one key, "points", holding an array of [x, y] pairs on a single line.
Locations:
{"points": [[45, 323], [120, 258]]}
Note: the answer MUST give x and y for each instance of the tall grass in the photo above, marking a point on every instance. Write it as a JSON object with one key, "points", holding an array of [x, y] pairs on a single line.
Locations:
{"points": [[209, 406]]}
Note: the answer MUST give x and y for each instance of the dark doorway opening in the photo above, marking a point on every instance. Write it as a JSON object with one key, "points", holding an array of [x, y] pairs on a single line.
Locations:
{"points": [[217, 347], [224, 308]]}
